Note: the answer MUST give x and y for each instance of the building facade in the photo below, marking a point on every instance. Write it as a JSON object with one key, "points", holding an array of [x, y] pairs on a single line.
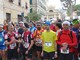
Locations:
{"points": [[38, 6], [53, 13], [13, 10]]}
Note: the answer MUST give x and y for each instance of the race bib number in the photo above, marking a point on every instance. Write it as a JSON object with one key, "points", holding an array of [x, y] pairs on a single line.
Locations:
{"points": [[1, 39], [48, 44], [65, 51], [39, 41], [26, 45], [12, 46]]}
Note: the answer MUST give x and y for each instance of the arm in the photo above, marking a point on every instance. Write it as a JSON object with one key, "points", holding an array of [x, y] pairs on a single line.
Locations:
{"points": [[58, 40], [74, 40], [32, 43], [55, 38]]}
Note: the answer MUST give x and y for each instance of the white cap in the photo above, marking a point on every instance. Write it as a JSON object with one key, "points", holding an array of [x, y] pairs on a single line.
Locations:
{"points": [[21, 22], [1, 25], [66, 22]]}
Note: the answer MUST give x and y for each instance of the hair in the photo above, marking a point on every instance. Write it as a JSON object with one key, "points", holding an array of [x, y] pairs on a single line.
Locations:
{"points": [[10, 25], [26, 25], [59, 25]]}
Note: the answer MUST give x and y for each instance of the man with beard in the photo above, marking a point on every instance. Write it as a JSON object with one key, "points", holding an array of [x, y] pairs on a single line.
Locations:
{"points": [[38, 41]]}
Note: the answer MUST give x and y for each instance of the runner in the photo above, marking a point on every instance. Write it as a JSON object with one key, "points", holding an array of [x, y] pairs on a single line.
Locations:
{"points": [[76, 30], [28, 43], [38, 41], [11, 43], [2, 43], [67, 41], [49, 46]]}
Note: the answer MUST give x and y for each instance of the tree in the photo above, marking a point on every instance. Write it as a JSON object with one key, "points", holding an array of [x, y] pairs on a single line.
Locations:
{"points": [[69, 5], [34, 16], [77, 7]]}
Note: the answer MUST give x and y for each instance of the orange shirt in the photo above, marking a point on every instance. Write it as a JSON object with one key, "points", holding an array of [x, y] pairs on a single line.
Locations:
{"points": [[37, 34]]}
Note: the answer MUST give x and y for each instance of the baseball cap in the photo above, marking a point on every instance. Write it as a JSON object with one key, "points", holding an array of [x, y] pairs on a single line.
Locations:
{"points": [[21, 22], [47, 23], [66, 22], [75, 21]]}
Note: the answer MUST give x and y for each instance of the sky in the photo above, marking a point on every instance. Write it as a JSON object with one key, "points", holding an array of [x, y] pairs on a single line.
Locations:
{"points": [[57, 4]]}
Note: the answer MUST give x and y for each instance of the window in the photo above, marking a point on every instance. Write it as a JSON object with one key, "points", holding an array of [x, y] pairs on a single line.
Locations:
{"points": [[26, 6], [31, 10], [19, 2], [8, 17], [50, 10], [11, 1], [30, 1], [19, 18]]}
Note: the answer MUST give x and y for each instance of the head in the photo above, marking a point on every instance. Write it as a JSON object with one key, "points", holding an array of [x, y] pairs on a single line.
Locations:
{"points": [[16, 26], [21, 24], [47, 25], [1, 27], [75, 23], [10, 28], [66, 25], [30, 24], [25, 27], [58, 26], [38, 26]]}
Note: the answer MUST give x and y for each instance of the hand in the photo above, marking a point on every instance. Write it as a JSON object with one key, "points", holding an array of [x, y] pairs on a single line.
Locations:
{"points": [[19, 35], [64, 48], [65, 44], [18, 50], [42, 54], [26, 52], [7, 43], [55, 55]]}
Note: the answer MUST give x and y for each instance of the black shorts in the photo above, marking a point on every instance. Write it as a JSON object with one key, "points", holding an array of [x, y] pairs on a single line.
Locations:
{"points": [[29, 55], [38, 48], [66, 56], [12, 54], [49, 55], [79, 47]]}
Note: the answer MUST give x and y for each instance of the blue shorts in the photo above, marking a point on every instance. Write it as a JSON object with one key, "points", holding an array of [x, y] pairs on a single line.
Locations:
{"points": [[2, 47]]}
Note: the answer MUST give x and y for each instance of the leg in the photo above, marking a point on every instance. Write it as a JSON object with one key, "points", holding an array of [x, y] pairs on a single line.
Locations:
{"points": [[29, 55], [4, 55], [39, 55], [69, 56], [51, 55], [9, 54], [39, 50], [61, 56], [45, 56]]}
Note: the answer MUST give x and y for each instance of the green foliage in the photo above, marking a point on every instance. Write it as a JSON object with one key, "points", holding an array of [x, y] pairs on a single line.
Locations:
{"points": [[77, 7], [34, 16]]}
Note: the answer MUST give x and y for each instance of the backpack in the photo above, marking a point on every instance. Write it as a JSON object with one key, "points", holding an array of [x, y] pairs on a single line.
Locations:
{"points": [[2, 38]]}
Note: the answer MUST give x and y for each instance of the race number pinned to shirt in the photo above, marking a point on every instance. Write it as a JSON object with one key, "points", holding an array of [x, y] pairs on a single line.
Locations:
{"points": [[39, 41], [48, 44], [1, 39], [65, 51], [26, 45], [12, 46]]}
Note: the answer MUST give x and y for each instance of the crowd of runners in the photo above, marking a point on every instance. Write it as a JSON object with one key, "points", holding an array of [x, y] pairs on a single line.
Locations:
{"points": [[59, 40]]}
